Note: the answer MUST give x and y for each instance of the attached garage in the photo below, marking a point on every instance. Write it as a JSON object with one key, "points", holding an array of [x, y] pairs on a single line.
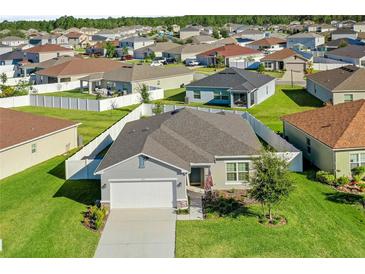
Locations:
{"points": [[300, 67], [143, 194]]}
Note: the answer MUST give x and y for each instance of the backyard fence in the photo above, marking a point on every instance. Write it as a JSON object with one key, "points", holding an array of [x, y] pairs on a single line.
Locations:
{"points": [[15, 101], [55, 87], [83, 164]]}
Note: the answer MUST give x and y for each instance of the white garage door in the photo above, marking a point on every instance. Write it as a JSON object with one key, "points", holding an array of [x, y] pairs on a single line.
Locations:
{"points": [[142, 194]]}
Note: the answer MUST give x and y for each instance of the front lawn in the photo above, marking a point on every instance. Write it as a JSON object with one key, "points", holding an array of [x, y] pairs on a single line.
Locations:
{"points": [[321, 223], [286, 100], [206, 70], [76, 93], [92, 123], [276, 74]]}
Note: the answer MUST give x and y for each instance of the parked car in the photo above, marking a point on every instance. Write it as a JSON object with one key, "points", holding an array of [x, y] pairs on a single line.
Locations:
{"points": [[156, 64], [162, 60], [126, 57], [191, 62], [171, 60]]}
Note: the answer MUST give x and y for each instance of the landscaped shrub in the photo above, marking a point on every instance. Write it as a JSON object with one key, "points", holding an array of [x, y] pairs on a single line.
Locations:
{"points": [[360, 170], [343, 180], [362, 187], [325, 177], [95, 216], [357, 178]]}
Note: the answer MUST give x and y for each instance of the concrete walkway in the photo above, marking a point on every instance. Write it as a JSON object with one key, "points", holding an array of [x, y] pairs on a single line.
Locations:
{"points": [[138, 233], [195, 208]]}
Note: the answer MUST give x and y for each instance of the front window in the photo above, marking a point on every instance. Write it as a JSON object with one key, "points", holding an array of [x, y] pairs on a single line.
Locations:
{"points": [[34, 148], [219, 95], [357, 159], [348, 97], [197, 95], [237, 172]]}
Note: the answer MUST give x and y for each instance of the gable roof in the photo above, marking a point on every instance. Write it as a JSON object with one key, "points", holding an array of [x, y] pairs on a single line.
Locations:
{"points": [[306, 35], [346, 41], [341, 79], [268, 41], [74, 35], [11, 39], [183, 137], [202, 38], [17, 127], [283, 54], [340, 126], [230, 50], [234, 79], [189, 28], [135, 39], [12, 55], [79, 66], [343, 31], [159, 47], [352, 51], [47, 48], [192, 48]]}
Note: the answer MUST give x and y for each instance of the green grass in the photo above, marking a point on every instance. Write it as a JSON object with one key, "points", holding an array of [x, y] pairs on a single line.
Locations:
{"points": [[276, 74], [72, 93], [286, 100], [205, 70], [41, 213], [321, 223], [92, 123]]}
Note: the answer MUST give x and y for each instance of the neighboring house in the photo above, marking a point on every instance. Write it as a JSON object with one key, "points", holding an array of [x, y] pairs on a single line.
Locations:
{"points": [[13, 41], [27, 139], [175, 28], [12, 57], [202, 39], [5, 49], [158, 49], [343, 33], [98, 38], [89, 31], [320, 28], [189, 51], [134, 43], [55, 39], [229, 53], [99, 48], [351, 54], [268, 45], [286, 59], [77, 39], [188, 32], [343, 42], [233, 87], [154, 160], [243, 42], [75, 69], [359, 27], [129, 78], [309, 40], [323, 63], [338, 85], [252, 34], [332, 138], [42, 53], [108, 34]]}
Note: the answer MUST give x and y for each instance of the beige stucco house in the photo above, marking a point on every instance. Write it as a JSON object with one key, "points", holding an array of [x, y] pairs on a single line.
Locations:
{"points": [[285, 59], [332, 138], [42, 53], [27, 139]]}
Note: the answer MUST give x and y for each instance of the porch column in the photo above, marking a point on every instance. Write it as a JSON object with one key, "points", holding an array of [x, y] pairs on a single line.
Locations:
{"points": [[81, 85], [90, 86], [231, 99], [248, 95]]}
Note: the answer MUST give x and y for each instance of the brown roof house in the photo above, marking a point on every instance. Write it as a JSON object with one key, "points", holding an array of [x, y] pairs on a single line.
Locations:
{"points": [[344, 84], [285, 59], [27, 139], [268, 45], [42, 53], [332, 137]]}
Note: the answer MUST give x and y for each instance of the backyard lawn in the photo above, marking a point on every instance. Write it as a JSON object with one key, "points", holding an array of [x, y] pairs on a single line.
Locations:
{"points": [[320, 223], [276, 74], [76, 93], [286, 100], [205, 70]]}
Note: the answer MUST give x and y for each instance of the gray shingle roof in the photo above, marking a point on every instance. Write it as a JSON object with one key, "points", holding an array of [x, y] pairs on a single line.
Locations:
{"points": [[352, 51], [184, 137], [234, 79]]}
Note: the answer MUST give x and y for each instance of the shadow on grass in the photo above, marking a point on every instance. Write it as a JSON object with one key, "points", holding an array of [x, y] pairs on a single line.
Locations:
{"points": [[59, 171], [227, 207], [345, 198], [180, 97], [82, 191], [302, 98]]}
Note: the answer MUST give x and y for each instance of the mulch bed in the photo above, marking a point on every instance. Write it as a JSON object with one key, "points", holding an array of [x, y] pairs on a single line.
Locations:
{"points": [[89, 223], [351, 188]]}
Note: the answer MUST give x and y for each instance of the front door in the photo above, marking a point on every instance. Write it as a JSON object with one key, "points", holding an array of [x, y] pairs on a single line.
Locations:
{"points": [[196, 176]]}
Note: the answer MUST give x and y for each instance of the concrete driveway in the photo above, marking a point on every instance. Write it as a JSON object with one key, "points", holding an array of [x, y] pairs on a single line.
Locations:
{"points": [[138, 233], [296, 76]]}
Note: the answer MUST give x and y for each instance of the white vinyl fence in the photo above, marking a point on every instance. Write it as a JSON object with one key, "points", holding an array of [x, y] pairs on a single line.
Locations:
{"points": [[9, 70], [55, 87], [16, 101], [15, 81], [83, 164]]}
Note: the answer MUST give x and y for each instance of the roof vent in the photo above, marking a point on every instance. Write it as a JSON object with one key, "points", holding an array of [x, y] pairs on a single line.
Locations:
{"points": [[146, 129], [325, 126], [132, 131]]}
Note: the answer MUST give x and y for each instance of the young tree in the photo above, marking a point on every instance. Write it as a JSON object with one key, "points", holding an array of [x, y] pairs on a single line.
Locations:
{"points": [[216, 34], [145, 95], [3, 78], [219, 61], [261, 68], [224, 33], [271, 183], [110, 50]]}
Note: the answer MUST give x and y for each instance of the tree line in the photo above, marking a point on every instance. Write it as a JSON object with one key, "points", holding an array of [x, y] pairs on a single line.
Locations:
{"points": [[66, 22]]}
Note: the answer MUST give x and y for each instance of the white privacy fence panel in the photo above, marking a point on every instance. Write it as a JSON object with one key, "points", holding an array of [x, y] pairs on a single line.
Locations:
{"points": [[15, 101], [9, 70], [55, 87], [324, 66], [15, 81]]}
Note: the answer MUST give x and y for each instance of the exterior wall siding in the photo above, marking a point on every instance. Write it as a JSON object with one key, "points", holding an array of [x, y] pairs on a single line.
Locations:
{"points": [[339, 97], [343, 167], [165, 83], [265, 92], [21, 157], [207, 95], [311, 43], [320, 92]]}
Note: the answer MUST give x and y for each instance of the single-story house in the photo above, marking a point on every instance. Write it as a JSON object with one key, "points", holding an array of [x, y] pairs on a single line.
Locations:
{"points": [[188, 32], [343, 33], [106, 35], [154, 160], [323, 63], [332, 138], [344, 84], [309, 40], [42, 53], [99, 48], [286, 59], [55, 39], [13, 41], [352, 54], [233, 87], [268, 45], [129, 78], [252, 34], [229, 52], [158, 49], [359, 27], [74, 69], [12, 57], [27, 139], [77, 39], [202, 39], [340, 43], [134, 43], [188, 51]]}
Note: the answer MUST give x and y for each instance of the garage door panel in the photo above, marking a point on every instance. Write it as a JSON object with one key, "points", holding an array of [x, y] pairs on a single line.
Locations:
{"points": [[141, 194]]}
